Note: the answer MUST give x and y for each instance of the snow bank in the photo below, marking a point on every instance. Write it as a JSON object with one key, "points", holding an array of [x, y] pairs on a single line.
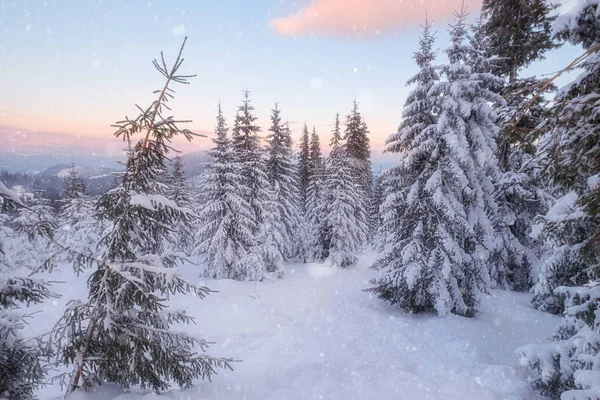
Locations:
{"points": [[316, 335]]}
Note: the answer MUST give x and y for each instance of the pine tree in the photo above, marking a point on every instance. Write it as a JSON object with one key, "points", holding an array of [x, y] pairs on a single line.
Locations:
{"points": [[37, 214], [519, 32], [225, 222], [435, 224], [315, 199], [358, 150], [569, 157], [304, 167], [569, 280], [341, 232], [376, 202], [517, 196], [316, 173], [181, 235], [265, 258], [21, 367], [79, 228], [122, 332], [283, 178]]}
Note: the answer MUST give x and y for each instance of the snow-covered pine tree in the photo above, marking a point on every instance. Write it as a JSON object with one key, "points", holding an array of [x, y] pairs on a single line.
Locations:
{"points": [[79, 228], [21, 367], [265, 257], [38, 213], [519, 32], [569, 156], [341, 232], [304, 167], [518, 199], [358, 150], [122, 332], [225, 221], [315, 198], [569, 366], [181, 237], [376, 202], [283, 178], [437, 232]]}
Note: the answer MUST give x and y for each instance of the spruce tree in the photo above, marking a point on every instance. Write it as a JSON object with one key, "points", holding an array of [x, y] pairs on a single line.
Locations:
{"points": [[304, 167], [176, 189], [316, 173], [38, 213], [79, 228], [342, 228], [519, 32], [22, 371], [122, 332], [569, 281], [437, 232], [225, 221], [517, 197], [315, 200], [358, 150], [265, 258], [569, 155], [283, 178]]}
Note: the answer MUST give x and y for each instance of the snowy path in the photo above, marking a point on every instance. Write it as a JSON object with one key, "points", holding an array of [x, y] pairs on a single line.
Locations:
{"points": [[316, 335]]}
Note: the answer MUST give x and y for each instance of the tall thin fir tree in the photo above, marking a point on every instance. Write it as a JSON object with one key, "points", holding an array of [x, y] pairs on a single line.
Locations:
{"points": [[22, 366], [435, 220], [180, 237], [304, 167], [315, 196], [342, 229], [79, 227], [519, 191], [569, 283], [122, 332], [264, 259], [283, 178], [225, 225], [519, 32], [38, 211], [358, 150]]}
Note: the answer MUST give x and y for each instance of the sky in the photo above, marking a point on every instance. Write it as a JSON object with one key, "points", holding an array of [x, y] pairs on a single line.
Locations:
{"points": [[70, 69]]}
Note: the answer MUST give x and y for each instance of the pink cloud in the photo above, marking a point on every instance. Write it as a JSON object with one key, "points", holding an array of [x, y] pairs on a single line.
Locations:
{"points": [[365, 17]]}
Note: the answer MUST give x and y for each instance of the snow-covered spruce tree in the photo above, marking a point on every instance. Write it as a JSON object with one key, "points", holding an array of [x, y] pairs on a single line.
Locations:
{"points": [[569, 282], [79, 228], [38, 213], [358, 150], [519, 32], [304, 167], [569, 156], [516, 195], [225, 223], [181, 237], [519, 193], [379, 189], [265, 257], [437, 232], [315, 198], [122, 332], [283, 178], [21, 367], [343, 228]]}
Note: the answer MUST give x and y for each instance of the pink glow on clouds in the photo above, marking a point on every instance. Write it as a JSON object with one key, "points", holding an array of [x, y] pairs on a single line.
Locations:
{"points": [[366, 17]]}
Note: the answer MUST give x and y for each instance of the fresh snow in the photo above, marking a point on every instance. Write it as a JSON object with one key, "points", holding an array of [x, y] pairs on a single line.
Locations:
{"points": [[316, 335]]}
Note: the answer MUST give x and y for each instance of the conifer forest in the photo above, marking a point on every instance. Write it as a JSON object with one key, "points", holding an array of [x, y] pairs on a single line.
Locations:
{"points": [[287, 265]]}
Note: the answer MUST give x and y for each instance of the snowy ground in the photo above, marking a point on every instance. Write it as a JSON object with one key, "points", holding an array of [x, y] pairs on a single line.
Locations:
{"points": [[316, 335]]}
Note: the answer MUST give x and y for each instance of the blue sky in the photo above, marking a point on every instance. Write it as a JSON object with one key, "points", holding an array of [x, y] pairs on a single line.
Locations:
{"points": [[73, 68]]}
